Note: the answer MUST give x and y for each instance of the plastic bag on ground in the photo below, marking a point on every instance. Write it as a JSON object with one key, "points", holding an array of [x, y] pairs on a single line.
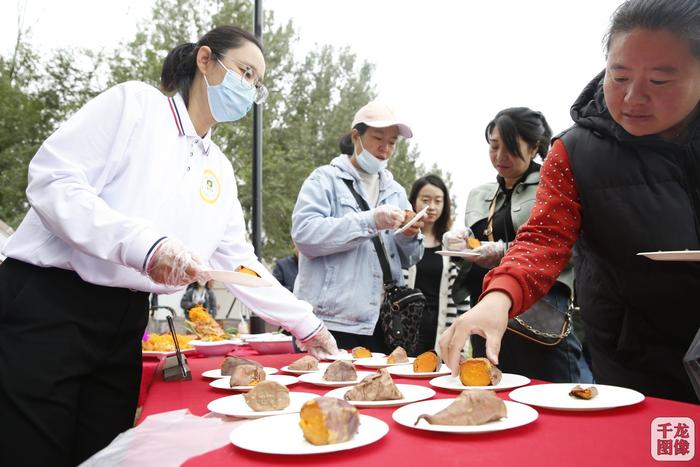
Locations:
{"points": [[166, 439]]}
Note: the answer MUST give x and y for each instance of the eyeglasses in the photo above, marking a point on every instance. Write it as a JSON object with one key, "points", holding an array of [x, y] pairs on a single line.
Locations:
{"points": [[250, 79]]}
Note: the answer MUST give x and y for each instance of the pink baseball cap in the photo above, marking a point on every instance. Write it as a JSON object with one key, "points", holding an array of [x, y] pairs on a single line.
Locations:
{"points": [[378, 115]]}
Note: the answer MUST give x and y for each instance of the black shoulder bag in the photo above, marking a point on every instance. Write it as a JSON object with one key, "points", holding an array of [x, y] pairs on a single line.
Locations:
{"points": [[403, 307], [542, 323]]}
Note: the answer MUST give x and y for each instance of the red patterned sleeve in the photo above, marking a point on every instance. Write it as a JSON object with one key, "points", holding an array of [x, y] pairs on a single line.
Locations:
{"points": [[543, 244]]}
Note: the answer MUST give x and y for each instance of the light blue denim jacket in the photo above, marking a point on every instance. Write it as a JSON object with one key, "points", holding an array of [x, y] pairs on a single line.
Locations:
{"points": [[339, 272]]}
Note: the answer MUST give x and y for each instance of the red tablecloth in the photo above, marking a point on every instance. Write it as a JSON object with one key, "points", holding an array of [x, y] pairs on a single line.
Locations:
{"points": [[618, 437]]}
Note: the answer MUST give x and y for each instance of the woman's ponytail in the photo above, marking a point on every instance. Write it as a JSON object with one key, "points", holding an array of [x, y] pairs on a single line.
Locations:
{"points": [[178, 69]]}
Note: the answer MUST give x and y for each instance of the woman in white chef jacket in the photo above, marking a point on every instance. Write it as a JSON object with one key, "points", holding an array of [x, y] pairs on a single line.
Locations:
{"points": [[129, 196]]}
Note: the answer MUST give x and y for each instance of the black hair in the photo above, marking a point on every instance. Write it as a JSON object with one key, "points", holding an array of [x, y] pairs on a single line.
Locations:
{"points": [[346, 145], [522, 122], [442, 224], [681, 17], [180, 65]]}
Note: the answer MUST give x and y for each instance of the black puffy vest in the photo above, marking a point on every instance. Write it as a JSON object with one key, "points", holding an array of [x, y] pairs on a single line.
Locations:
{"points": [[637, 194]]}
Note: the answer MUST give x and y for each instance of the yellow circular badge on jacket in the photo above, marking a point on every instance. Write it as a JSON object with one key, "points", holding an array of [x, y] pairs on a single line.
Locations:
{"points": [[209, 188]]}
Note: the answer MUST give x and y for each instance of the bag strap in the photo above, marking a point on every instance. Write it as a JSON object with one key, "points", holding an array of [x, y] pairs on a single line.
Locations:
{"points": [[378, 245], [489, 219]]}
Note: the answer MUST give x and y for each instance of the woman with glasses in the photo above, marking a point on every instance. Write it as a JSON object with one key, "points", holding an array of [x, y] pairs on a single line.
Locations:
{"points": [[129, 196], [495, 212], [339, 270], [623, 180]]}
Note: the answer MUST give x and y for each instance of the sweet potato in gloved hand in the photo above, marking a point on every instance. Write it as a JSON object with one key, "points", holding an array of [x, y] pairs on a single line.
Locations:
{"points": [[490, 254], [457, 239], [387, 216], [321, 345]]}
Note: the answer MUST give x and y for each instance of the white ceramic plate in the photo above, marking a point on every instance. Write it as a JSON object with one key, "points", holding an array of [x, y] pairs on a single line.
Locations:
{"points": [[379, 362], [684, 255], [238, 278], [458, 254], [508, 381], [411, 393], [556, 396], [216, 373], [215, 348], [321, 367], [317, 379], [345, 355], [262, 336], [282, 435], [516, 415], [407, 371], [223, 383], [198, 343], [235, 406], [419, 215], [153, 353]]}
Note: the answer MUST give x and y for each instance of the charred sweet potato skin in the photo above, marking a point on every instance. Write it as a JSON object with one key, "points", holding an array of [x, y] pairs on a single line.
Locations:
{"points": [[327, 420], [230, 363], [247, 375], [340, 371], [426, 362], [267, 395], [478, 372], [376, 387], [306, 363], [471, 407], [397, 356]]}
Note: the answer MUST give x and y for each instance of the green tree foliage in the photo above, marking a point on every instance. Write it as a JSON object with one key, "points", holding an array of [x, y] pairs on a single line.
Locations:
{"points": [[35, 97], [312, 101]]}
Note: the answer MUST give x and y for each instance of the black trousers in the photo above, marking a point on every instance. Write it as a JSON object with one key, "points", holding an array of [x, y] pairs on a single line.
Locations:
{"points": [[70, 364], [374, 343]]}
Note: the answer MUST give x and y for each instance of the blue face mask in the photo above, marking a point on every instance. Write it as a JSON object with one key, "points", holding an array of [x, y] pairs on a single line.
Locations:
{"points": [[369, 163], [231, 99]]}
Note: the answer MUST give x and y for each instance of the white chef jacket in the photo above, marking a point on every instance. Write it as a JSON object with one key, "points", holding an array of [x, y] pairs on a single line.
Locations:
{"points": [[126, 170]]}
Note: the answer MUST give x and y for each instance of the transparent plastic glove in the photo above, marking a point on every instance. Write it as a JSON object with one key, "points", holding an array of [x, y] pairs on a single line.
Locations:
{"points": [[173, 264], [490, 254], [456, 240], [321, 345], [387, 216]]}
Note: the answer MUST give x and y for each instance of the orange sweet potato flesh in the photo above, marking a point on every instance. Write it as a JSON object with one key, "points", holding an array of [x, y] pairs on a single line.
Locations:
{"points": [[361, 352], [245, 270], [426, 362], [313, 424], [478, 372], [327, 420], [473, 243]]}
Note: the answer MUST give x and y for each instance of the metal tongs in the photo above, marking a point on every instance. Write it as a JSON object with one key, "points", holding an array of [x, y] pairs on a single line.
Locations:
{"points": [[175, 367]]}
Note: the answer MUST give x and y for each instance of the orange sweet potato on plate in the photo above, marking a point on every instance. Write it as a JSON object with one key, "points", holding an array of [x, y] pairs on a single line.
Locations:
{"points": [[478, 372], [426, 362], [361, 352]]}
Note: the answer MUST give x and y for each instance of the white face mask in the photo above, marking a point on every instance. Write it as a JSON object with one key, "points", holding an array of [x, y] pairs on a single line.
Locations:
{"points": [[231, 99], [368, 162]]}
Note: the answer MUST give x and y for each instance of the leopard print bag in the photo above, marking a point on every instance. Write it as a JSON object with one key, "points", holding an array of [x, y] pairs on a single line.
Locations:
{"points": [[400, 317]]}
